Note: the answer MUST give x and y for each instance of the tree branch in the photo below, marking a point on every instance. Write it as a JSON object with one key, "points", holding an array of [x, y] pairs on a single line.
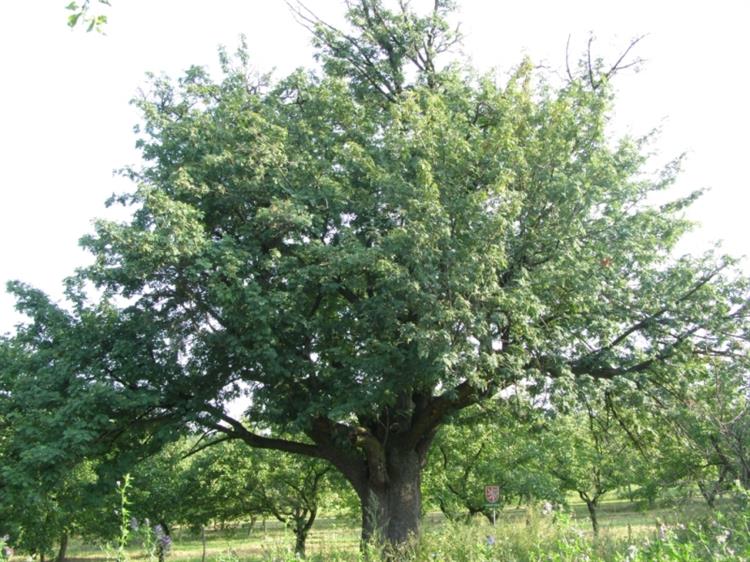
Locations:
{"points": [[237, 430]]}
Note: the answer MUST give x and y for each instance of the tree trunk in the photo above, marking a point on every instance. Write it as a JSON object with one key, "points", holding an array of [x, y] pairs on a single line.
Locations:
{"points": [[251, 525], [708, 494], [63, 548], [203, 543], [391, 509], [299, 545], [591, 505], [302, 526]]}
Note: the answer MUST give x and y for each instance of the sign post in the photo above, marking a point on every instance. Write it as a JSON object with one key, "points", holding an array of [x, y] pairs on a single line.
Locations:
{"points": [[492, 495]]}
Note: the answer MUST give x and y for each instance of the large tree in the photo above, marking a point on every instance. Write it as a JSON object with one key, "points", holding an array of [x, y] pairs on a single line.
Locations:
{"points": [[367, 249]]}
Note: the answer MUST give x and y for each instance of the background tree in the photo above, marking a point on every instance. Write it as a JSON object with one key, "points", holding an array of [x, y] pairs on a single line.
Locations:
{"points": [[593, 449], [220, 484], [161, 490], [292, 489], [368, 250], [481, 448], [709, 418], [223, 483]]}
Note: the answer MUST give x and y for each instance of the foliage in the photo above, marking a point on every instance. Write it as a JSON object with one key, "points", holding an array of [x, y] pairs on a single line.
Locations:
{"points": [[54, 445], [80, 15], [713, 422], [163, 490], [291, 490]]}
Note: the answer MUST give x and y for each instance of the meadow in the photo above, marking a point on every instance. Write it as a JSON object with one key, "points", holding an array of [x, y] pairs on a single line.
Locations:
{"points": [[683, 531]]}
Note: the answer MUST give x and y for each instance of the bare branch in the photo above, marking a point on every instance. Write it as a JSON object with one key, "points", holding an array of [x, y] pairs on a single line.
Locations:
{"points": [[617, 66], [567, 59]]}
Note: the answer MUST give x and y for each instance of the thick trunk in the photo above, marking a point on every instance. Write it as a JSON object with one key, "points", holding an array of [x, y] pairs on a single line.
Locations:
{"points": [[386, 457], [391, 510]]}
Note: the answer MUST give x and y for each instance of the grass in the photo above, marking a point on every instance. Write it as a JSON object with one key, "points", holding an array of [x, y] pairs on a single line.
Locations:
{"points": [[620, 521]]}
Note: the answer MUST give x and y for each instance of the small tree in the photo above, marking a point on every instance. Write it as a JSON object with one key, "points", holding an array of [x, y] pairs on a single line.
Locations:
{"points": [[708, 416], [291, 490], [224, 483], [591, 450], [487, 448]]}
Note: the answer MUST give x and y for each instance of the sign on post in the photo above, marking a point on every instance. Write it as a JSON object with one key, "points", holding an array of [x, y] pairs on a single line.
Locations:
{"points": [[492, 494]]}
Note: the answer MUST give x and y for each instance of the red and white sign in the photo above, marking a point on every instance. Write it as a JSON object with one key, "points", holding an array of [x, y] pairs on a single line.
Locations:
{"points": [[492, 494]]}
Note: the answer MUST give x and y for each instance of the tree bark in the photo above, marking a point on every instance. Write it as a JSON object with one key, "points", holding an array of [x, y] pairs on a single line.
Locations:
{"points": [[391, 509]]}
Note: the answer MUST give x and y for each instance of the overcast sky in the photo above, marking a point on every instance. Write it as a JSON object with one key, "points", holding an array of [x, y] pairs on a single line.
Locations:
{"points": [[65, 121]]}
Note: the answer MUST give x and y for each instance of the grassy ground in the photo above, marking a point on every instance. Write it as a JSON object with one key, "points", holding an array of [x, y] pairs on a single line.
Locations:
{"points": [[619, 520]]}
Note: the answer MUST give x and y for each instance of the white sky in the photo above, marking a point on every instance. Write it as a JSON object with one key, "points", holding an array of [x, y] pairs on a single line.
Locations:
{"points": [[65, 122]]}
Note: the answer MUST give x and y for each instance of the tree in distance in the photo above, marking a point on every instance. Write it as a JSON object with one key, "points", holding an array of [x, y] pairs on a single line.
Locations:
{"points": [[365, 250], [592, 450], [480, 448], [223, 483]]}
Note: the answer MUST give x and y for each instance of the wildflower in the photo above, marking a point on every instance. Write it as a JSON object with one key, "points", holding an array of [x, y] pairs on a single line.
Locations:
{"points": [[134, 524], [490, 540], [662, 532], [631, 553], [722, 538], [547, 508]]}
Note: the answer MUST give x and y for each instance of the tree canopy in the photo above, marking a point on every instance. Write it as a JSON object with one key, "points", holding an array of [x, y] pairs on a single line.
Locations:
{"points": [[364, 250]]}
